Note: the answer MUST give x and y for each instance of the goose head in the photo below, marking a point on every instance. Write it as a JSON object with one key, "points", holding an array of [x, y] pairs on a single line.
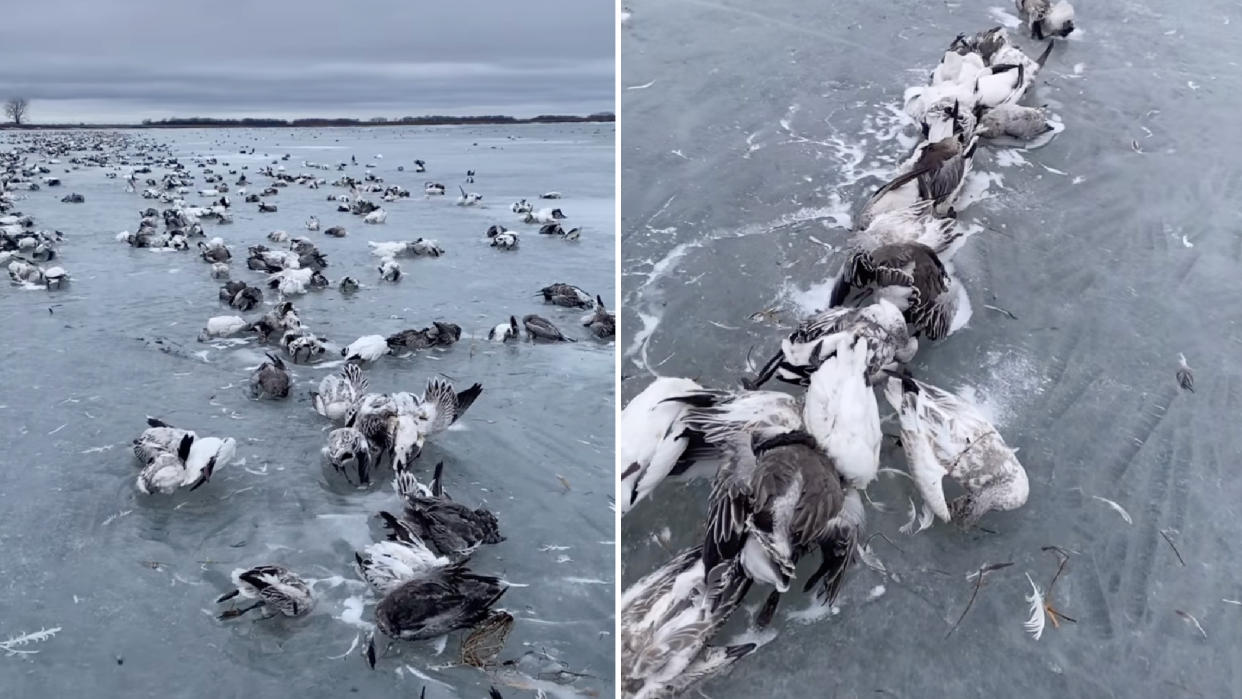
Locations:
{"points": [[406, 436]]}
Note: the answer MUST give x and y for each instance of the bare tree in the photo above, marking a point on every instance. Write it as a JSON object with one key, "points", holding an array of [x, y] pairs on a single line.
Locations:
{"points": [[16, 108]]}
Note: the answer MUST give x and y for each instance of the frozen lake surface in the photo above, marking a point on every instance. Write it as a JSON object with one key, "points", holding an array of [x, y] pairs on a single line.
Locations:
{"points": [[751, 134], [131, 580]]}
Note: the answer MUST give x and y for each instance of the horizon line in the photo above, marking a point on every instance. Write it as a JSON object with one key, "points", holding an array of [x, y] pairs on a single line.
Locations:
{"points": [[322, 122]]}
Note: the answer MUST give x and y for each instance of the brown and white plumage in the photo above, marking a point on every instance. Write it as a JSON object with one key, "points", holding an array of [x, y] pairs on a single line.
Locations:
{"points": [[447, 599], [505, 331], [540, 328], [1047, 18], [942, 167], [274, 587], [1014, 121], [777, 492], [348, 450], [667, 620], [881, 324], [568, 295], [934, 299], [339, 392], [601, 323], [386, 565], [271, 379], [964, 445]]}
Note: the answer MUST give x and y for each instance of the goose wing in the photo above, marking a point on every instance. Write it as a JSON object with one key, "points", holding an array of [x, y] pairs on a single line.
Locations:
{"points": [[444, 405]]}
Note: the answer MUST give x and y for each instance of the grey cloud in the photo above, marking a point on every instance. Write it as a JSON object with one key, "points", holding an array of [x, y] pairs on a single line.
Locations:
{"points": [[132, 60]]}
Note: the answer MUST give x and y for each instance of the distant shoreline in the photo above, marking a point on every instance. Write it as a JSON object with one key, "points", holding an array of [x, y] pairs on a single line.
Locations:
{"points": [[201, 123]]}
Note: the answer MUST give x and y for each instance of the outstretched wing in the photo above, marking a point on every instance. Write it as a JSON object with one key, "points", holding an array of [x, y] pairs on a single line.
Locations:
{"points": [[352, 373], [444, 405]]}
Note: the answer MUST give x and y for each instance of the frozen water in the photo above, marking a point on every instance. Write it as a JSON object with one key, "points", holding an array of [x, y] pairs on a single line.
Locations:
{"points": [[132, 580], [782, 108]]}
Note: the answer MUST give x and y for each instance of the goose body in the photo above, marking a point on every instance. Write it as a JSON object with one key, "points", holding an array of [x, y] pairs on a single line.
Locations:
{"points": [[389, 270], [507, 240], [653, 442], [777, 492], [421, 417], [177, 459], [943, 166], [386, 565], [667, 619], [214, 251], [377, 216], [159, 436], [389, 249], [436, 604], [1047, 18], [55, 277], [302, 345], [293, 282], [339, 392], [539, 328], [933, 300], [881, 324], [789, 493], [270, 380], [1001, 84], [958, 69], [348, 451], [842, 414], [949, 436], [367, 348], [208, 454], [165, 473], [312, 224], [25, 273], [567, 295], [915, 224], [219, 270], [273, 587], [224, 326], [247, 298], [542, 216], [1014, 121], [899, 193], [371, 415], [437, 335], [425, 247], [601, 323], [505, 331], [452, 528]]}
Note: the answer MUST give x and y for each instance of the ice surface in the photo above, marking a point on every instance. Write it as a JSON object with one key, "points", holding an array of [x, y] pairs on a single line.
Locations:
{"points": [[75, 527], [1082, 382]]}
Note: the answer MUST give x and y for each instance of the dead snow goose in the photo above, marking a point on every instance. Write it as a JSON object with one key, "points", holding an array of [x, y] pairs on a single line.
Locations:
{"points": [[270, 380], [367, 348], [274, 587], [339, 392], [539, 328]]}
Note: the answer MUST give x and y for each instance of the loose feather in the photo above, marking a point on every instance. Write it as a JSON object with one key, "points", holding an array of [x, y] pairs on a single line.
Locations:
{"points": [[1035, 624], [1120, 510]]}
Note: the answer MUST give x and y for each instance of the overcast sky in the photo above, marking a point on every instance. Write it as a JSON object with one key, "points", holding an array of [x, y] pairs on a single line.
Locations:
{"points": [[128, 60]]}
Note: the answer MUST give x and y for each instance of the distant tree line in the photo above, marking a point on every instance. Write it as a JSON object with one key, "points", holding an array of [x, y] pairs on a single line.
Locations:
{"points": [[434, 120]]}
